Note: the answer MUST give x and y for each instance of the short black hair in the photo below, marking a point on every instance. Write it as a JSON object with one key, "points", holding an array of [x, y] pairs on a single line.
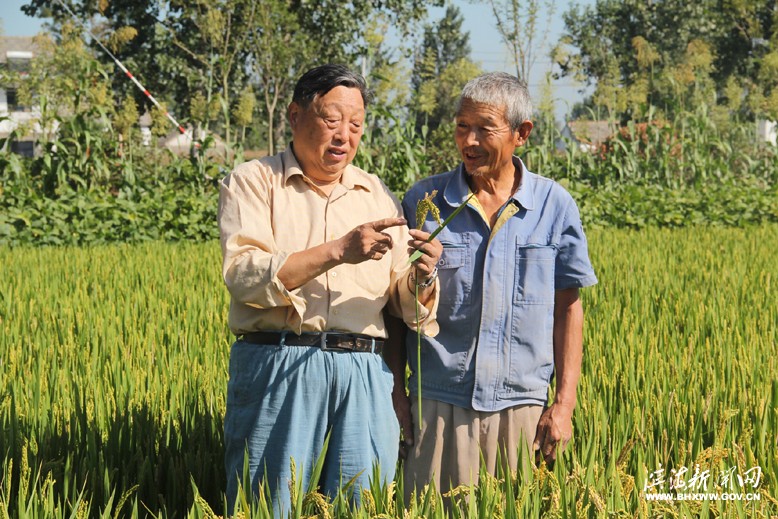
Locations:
{"points": [[320, 80]]}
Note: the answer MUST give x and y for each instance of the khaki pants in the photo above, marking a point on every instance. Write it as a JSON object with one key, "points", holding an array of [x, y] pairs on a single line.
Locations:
{"points": [[449, 447]]}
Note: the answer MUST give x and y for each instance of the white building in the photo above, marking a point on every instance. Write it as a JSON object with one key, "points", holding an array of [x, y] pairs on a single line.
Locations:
{"points": [[767, 131], [16, 53]]}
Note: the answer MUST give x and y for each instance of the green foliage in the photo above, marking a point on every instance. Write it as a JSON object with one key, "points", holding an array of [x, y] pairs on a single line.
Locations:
{"points": [[393, 149], [640, 206], [114, 375], [639, 51], [82, 192], [65, 77], [520, 27], [438, 100], [93, 181], [156, 212], [687, 151], [388, 76], [441, 68], [126, 118], [219, 48], [443, 43], [278, 60], [666, 174]]}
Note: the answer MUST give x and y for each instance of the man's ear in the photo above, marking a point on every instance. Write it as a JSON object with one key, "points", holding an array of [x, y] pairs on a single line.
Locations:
{"points": [[293, 114], [522, 134]]}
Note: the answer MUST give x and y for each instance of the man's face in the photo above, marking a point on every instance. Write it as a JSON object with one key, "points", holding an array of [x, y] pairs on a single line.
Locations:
{"points": [[326, 134], [485, 139]]}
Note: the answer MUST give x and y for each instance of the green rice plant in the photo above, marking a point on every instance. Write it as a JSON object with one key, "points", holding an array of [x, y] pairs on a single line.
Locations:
{"points": [[113, 373]]}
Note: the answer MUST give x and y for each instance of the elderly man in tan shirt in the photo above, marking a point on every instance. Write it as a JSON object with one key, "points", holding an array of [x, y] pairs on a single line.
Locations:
{"points": [[314, 250]]}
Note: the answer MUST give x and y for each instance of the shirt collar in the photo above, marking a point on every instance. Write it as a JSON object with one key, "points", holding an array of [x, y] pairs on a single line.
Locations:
{"points": [[457, 189], [525, 195], [352, 176]]}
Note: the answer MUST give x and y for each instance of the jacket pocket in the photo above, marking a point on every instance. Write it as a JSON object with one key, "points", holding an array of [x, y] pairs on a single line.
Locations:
{"points": [[534, 274], [454, 271]]}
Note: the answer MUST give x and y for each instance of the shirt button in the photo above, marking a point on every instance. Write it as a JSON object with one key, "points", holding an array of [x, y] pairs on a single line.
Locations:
{"points": [[334, 274], [335, 312], [442, 261]]}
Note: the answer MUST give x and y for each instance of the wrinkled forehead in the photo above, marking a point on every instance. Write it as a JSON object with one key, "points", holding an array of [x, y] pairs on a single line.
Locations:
{"points": [[479, 110], [336, 91], [339, 98]]}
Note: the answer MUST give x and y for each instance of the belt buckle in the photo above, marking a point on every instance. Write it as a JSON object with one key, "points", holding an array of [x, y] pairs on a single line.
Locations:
{"points": [[323, 343]]}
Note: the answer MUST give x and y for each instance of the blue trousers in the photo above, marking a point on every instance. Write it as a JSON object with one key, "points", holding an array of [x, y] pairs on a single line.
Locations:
{"points": [[282, 401]]}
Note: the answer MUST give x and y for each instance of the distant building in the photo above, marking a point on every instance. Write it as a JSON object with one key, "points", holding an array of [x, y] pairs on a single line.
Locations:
{"points": [[767, 131], [178, 143], [589, 135], [16, 53]]}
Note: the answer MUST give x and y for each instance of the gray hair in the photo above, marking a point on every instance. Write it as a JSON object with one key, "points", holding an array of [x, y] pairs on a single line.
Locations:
{"points": [[320, 80], [500, 89]]}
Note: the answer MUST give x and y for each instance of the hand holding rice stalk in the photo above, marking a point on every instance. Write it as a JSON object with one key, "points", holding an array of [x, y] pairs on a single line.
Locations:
{"points": [[424, 206]]}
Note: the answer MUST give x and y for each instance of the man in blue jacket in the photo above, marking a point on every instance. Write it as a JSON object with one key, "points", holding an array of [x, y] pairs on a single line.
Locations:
{"points": [[509, 310]]}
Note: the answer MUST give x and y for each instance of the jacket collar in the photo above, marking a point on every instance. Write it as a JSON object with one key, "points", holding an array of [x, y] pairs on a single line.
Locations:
{"points": [[457, 189]]}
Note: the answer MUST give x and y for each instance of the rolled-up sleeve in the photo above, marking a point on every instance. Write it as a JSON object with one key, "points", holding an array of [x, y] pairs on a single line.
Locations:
{"points": [[573, 267], [251, 260]]}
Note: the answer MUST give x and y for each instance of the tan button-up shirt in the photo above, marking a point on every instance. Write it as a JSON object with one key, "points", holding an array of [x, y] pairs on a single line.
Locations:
{"points": [[268, 209]]}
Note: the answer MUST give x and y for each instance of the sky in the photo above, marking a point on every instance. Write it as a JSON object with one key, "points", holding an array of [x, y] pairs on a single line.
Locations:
{"points": [[487, 47]]}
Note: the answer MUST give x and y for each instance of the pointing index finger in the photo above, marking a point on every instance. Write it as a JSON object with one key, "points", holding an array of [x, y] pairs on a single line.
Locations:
{"points": [[380, 225]]}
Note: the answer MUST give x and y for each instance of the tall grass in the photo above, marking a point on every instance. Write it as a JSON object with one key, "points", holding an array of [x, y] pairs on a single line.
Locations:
{"points": [[113, 367]]}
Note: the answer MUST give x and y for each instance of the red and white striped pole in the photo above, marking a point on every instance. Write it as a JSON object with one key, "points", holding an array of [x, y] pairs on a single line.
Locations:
{"points": [[130, 75]]}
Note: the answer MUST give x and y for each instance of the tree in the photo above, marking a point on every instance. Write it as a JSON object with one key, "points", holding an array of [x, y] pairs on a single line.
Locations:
{"points": [[104, 19], [65, 79], [641, 52], [278, 58], [517, 23], [345, 23], [385, 68], [211, 33], [443, 43], [192, 54], [441, 68]]}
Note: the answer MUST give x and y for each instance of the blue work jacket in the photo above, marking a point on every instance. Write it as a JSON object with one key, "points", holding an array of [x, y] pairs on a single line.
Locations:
{"points": [[496, 304]]}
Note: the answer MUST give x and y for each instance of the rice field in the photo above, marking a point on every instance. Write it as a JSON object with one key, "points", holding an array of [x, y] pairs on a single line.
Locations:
{"points": [[113, 371]]}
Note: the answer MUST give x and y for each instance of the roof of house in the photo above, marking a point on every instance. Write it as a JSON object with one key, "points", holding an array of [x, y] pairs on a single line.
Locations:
{"points": [[591, 132], [15, 44]]}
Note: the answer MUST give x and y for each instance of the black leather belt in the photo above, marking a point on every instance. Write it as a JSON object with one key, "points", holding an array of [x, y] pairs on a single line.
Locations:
{"points": [[327, 341]]}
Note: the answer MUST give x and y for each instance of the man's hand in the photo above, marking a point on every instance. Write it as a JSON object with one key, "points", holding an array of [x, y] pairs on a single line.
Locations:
{"points": [[402, 408], [367, 241], [431, 253], [555, 429]]}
